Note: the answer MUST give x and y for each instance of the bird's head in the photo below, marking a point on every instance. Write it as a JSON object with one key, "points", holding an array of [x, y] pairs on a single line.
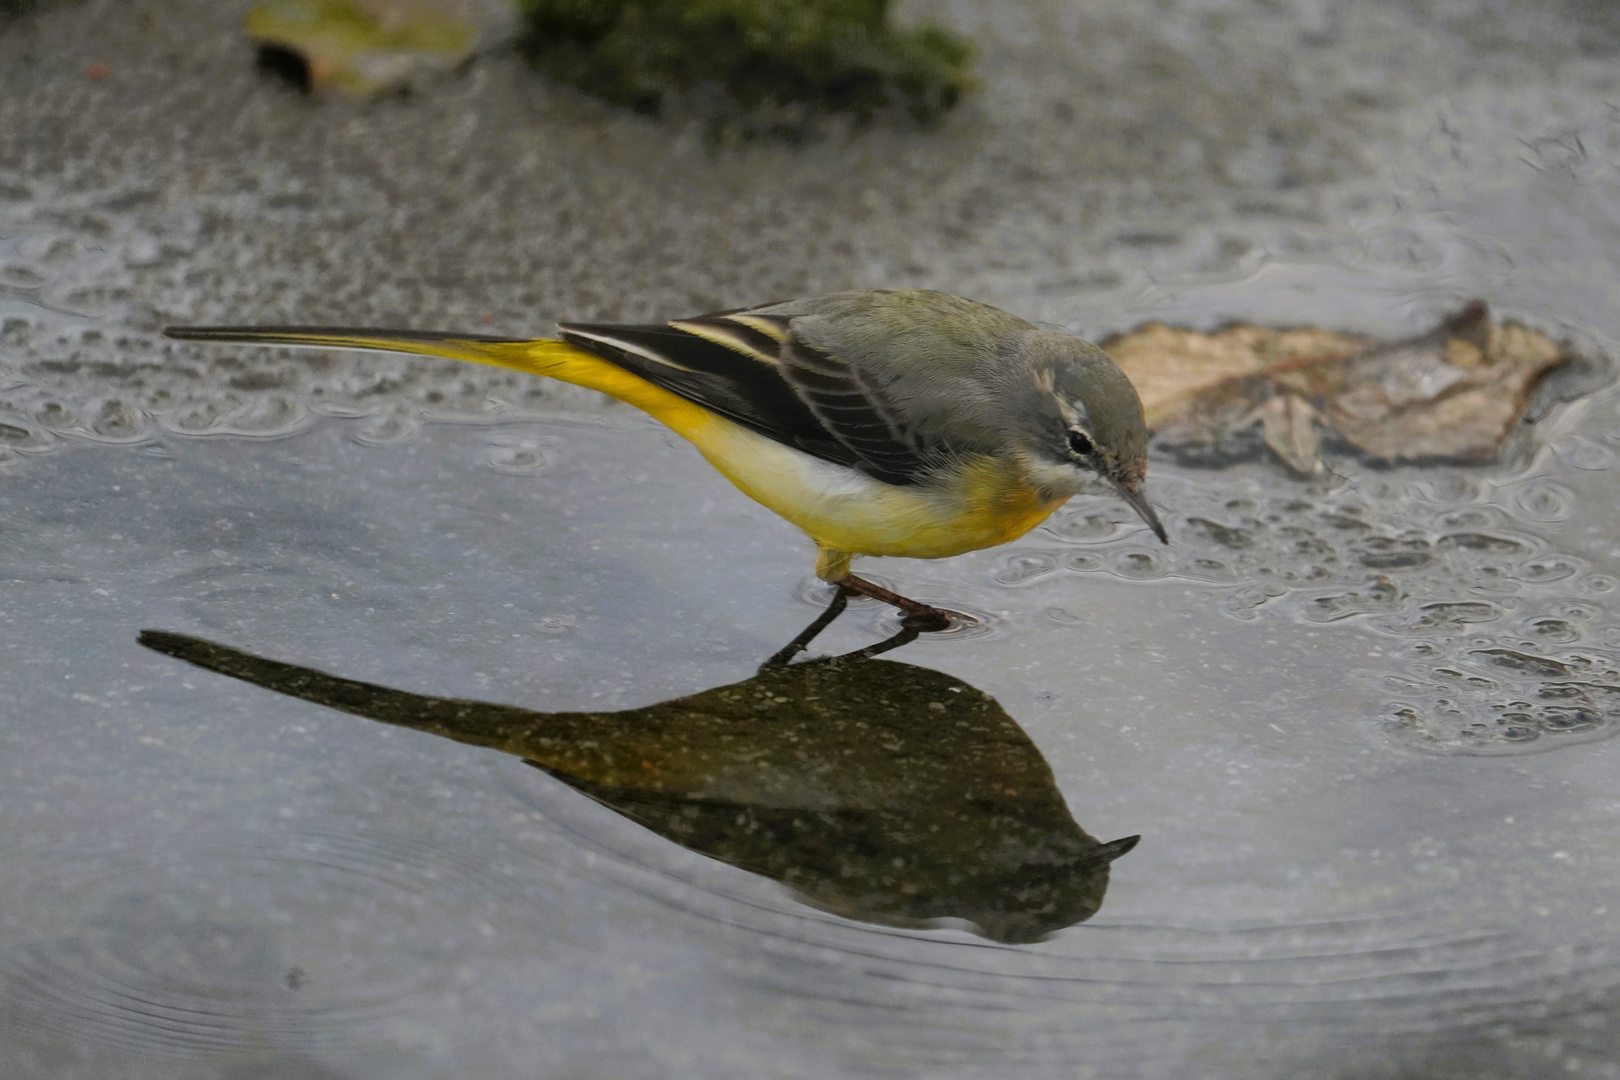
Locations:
{"points": [[1082, 422]]}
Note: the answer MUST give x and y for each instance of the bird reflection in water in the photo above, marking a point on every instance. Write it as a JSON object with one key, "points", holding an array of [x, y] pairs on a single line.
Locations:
{"points": [[875, 790]]}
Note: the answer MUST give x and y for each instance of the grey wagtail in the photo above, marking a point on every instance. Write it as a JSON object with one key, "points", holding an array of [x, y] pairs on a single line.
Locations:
{"points": [[888, 422]]}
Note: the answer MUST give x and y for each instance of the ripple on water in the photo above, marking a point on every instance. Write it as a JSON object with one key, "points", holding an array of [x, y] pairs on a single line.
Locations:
{"points": [[978, 625], [1414, 969], [1541, 499], [1552, 631], [1551, 568], [272, 416], [1084, 525], [516, 453], [20, 435], [73, 323], [240, 942], [1596, 585], [1024, 567], [110, 420], [1136, 563], [386, 427], [1427, 562], [1582, 453], [1411, 972]]}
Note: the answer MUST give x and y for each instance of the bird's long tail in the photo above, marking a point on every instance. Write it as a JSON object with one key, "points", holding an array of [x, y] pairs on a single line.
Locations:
{"points": [[535, 356]]}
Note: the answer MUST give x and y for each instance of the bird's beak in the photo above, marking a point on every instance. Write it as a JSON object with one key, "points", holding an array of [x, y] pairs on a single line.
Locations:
{"points": [[1132, 493], [1115, 848]]}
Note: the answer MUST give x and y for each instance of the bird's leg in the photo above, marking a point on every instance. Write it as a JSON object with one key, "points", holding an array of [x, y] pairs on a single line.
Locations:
{"points": [[793, 648], [832, 566], [783, 656], [919, 617]]}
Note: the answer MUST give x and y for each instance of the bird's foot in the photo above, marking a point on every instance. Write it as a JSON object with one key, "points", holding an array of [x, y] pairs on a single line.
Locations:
{"points": [[919, 617]]}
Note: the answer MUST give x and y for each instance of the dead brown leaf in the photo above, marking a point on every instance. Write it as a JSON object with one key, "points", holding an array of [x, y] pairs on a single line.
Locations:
{"points": [[1289, 424], [1453, 393]]}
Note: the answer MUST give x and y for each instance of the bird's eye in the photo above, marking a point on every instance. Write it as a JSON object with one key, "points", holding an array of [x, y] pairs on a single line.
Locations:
{"points": [[1081, 443]]}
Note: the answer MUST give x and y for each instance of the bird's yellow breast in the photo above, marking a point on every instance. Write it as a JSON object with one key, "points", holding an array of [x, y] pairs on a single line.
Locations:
{"points": [[981, 505]]}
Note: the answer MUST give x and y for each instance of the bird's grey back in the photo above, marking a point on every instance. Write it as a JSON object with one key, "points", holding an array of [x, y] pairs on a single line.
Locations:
{"points": [[941, 363]]}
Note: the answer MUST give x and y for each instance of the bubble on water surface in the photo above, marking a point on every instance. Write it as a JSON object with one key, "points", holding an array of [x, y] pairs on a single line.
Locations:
{"points": [[1024, 567], [555, 624], [1083, 561], [19, 434], [1543, 500], [521, 453], [1136, 564], [1062, 616], [1552, 631], [386, 428], [1484, 604], [73, 330], [1086, 525], [1582, 453]]}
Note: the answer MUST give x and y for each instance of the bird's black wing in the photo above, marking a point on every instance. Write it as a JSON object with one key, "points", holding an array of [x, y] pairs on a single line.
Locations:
{"points": [[750, 368]]}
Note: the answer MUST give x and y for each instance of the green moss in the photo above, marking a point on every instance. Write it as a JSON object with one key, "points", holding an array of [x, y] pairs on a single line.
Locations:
{"points": [[783, 60]]}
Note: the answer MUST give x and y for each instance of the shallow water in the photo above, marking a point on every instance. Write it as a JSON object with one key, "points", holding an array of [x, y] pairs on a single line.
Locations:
{"points": [[1363, 724]]}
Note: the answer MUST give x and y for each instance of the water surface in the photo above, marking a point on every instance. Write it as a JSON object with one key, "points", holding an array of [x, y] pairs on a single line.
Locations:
{"points": [[1363, 724]]}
